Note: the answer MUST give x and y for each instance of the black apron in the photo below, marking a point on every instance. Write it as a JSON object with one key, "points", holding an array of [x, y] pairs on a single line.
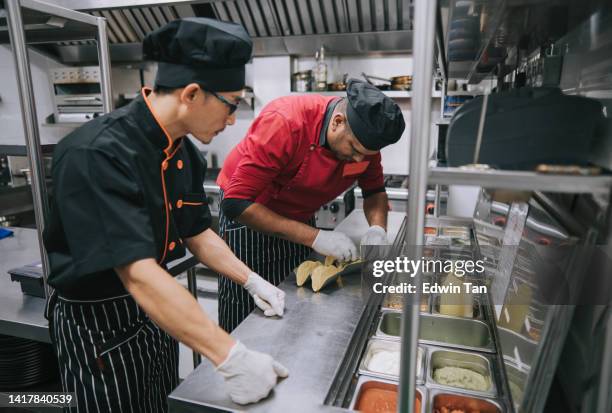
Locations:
{"points": [[122, 192], [271, 257], [112, 356]]}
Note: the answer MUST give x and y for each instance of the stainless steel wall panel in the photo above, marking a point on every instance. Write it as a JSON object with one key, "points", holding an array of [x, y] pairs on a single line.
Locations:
{"points": [[126, 27], [110, 32], [294, 18], [146, 26], [270, 17], [365, 15], [260, 22], [161, 19], [329, 15], [114, 27], [133, 22], [232, 10], [283, 18], [305, 16], [378, 8], [342, 18], [184, 10], [392, 14], [169, 13], [150, 18], [320, 25], [246, 18], [352, 10], [220, 11]]}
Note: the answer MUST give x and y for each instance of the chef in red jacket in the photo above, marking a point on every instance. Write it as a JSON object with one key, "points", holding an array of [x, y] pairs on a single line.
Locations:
{"points": [[300, 153]]}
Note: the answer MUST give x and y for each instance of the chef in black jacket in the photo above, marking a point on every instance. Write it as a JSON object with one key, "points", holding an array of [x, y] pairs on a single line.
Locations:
{"points": [[128, 198]]}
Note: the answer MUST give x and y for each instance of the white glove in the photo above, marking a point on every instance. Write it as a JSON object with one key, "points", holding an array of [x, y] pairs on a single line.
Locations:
{"points": [[375, 235], [270, 299], [249, 375], [336, 244]]}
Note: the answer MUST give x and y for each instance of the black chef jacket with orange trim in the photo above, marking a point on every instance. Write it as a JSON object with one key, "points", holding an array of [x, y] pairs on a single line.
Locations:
{"points": [[122, 192]]}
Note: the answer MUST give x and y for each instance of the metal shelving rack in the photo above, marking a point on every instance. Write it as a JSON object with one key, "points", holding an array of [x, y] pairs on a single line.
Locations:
{"points": [[421, 175], [86, 25]]}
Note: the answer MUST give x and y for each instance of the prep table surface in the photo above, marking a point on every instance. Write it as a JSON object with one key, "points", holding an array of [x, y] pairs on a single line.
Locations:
{"points": [[20, 315], [310, 340], [23, 315]]}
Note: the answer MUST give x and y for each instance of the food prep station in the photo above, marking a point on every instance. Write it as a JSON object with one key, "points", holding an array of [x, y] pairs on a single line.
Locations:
{"points": [[342, 345]]}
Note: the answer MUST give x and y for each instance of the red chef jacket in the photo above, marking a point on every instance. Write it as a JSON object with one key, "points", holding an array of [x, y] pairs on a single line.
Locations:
{"points": [[280, 163]]}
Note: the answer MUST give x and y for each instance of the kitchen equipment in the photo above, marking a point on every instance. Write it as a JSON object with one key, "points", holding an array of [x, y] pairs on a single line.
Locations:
{"points": [[449, 402], [403, 82], [477, 363], [25, 363], [387, 389], [302, 81], [441, 330], [31, 279], [524, 128], [336, 86], [332, 213], [376, 346], [5, 172], [77, 93]]}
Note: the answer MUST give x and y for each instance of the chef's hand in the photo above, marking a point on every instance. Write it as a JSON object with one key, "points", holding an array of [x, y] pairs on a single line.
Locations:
{"points": [[375, 235], [270, 299], [249, 375], [336, 244]]}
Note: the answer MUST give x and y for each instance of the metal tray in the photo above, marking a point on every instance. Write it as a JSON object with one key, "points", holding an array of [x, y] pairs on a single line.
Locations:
{"points": [[455, 332], [375, 345], [477, 308], [469, 403], [364, 382], [438, 358]]}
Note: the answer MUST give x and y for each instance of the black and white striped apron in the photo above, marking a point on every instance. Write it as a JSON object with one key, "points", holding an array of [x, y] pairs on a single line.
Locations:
{"points": [[112, 356], [271, 257]]}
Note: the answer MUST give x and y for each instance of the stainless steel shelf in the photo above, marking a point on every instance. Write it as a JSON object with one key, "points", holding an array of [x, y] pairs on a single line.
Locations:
{"points": [[520, 180], [395, 94]]}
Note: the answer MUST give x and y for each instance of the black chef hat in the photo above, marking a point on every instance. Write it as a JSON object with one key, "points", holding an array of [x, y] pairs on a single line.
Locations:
{"points": [[375, 119], [199, 50]]}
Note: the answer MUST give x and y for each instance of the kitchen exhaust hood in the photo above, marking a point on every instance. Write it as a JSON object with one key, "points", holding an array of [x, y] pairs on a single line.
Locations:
{"points": [[278, 27]]}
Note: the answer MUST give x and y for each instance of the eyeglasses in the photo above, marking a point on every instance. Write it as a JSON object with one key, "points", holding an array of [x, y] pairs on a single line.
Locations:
{"points": [[232, 106]]}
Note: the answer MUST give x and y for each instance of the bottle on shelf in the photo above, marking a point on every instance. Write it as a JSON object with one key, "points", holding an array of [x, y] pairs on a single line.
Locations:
{"points": [[320, 72]]}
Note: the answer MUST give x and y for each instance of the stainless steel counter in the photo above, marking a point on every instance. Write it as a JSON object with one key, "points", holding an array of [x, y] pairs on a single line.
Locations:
{"points": [[20, 315], [23, 315], [310, 340]]}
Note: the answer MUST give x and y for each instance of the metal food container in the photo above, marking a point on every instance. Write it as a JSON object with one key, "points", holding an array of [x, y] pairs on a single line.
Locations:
{"points": [[462, 333], [443, 402], [395, 302], [513, 343], [457, 254], [376, 345], [517, 379], [477, 363], [478, 313], [455, 231], [365, 383]]}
